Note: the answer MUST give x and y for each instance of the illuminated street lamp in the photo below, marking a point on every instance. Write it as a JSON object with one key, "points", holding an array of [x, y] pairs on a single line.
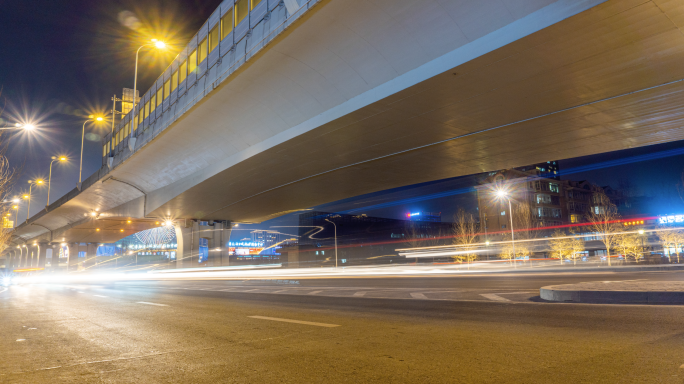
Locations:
{"points": [[26, 127], [157, 44], [335, 240], [54, 158], [28, 197], [80, 171], [16, 213], [503, 194]]}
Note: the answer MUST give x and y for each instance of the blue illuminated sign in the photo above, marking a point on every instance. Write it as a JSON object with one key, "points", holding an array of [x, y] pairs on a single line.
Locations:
{"points": [[671, 219]]}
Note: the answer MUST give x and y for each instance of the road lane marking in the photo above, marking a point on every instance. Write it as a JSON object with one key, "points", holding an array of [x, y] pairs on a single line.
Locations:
{"points": [[252, 290], [494, 297], [145, 302], [3, 290], [294, 321], [419, 296], [99, 296], [282, 290], [517, 293], [314, 292], [359, 294], [21, 339]]}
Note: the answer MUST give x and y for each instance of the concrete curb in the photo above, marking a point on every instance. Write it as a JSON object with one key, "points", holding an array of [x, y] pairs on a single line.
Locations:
{"points": [[575, 294]]}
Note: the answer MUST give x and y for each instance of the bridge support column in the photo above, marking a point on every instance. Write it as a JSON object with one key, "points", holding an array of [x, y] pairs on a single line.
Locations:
{"points": [[91, 254], [194, 239], [72, 261], [42, 254]]}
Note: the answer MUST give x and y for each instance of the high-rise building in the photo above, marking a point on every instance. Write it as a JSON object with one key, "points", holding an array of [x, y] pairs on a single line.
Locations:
{"points": [[549, 169]]}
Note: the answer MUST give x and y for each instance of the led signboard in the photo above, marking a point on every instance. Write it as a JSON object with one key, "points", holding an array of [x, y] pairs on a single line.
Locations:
{"points": [[671, 219]]}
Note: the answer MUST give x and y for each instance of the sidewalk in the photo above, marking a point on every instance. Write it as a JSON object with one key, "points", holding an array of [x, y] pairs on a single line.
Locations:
{"points": [[615, 292]]}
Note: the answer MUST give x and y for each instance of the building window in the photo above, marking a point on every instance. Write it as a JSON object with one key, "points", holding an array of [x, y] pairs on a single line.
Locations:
{"points": [[543, 199], [553, 187], [213, 38], [192, 62], [255, 3], [167, 88], [160, 96], [240, 11], [202, 51], [104, 150], [153, 104], [503, 226], [503, 213], [226, 24], [147, 109], [174, 81], [183, 72], [575, 218]]}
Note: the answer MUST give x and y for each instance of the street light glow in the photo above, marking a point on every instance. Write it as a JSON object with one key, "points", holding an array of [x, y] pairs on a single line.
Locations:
{"points": [[501, 193]]}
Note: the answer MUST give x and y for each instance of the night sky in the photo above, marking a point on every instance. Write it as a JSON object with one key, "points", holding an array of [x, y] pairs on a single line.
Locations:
{"points": [[63, 60]]}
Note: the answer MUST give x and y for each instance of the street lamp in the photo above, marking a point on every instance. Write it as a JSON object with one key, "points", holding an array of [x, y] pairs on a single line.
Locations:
{"points": [[335, 240], [80, 171], [157, 44], [503, 194], [26, 127], [16, 213], [54, 158], [28, 197]]}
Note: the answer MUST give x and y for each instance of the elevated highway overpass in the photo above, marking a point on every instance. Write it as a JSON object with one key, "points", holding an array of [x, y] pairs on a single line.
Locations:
{"points": [[320, 101]]}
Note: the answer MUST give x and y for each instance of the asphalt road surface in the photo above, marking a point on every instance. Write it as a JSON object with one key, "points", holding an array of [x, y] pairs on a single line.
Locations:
{"points": [[475, 329]]}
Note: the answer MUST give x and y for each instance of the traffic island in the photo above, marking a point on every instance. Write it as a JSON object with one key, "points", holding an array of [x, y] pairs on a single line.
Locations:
{"points": [[617, 292]]}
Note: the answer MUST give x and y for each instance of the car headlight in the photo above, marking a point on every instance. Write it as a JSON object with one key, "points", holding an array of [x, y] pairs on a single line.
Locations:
{"points": [[6, 281]]}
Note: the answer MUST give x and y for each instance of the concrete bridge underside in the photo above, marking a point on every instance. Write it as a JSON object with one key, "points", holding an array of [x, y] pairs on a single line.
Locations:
{"points": [[362, 96]]}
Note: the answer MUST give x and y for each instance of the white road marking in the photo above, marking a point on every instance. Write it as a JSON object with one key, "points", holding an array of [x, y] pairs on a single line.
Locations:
{"points": [[359, 294], [21, 339], [251, 290], [226, 290], [419, 296], [80, 292], [3, 290], [282, 290], [494, 297], [516, 293], [294, 321], [31, 329], [314, 292], [159, 305], [99, 296]]}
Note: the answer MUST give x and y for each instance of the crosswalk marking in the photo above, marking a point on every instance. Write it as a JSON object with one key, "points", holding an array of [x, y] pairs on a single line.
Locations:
{"points": [[492, 296], [294, 321], [148, 303]]}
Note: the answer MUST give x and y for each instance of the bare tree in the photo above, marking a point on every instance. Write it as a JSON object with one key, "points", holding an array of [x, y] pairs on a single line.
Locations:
{"points": [[670, 240], [602, 218], [7, 178], [560, 245], [629, 244], [577, 248], [465, 235]]}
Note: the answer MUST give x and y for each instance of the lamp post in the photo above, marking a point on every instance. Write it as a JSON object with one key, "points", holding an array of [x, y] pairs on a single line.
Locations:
{"points": [[503, 194], [158, 44], [16, 209], [28, 197], [54, 158], [80, 171], [334, 225]]}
